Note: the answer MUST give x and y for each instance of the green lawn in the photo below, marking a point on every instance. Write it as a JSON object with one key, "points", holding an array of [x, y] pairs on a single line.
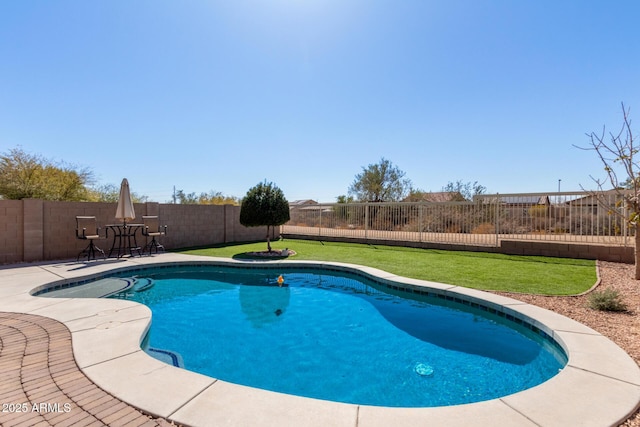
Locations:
{"points": [[498, 272]]}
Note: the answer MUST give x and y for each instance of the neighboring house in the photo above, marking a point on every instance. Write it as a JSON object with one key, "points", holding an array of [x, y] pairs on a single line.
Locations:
{"points": [[516, 206], [302, 203], [601, 204], [526, 200], [516, 201], [308, 212], [603, 213], [524, 204], [309, 205]]}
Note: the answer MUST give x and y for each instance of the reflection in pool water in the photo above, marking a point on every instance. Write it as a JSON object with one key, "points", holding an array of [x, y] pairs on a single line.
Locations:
{"points": [[339, 337]]}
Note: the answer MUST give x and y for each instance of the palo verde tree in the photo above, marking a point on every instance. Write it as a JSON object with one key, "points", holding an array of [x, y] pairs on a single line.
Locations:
{"points": [[110, 193], [264, 204], [381, 182], [618, 153], [24, 175]]}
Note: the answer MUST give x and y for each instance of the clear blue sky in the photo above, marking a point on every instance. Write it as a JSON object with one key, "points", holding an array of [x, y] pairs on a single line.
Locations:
{"points": [[221, 95]]}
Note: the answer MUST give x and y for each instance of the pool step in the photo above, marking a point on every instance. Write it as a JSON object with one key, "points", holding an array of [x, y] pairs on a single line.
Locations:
{"points": [[97, 289], [142, 284], [167, 356]]}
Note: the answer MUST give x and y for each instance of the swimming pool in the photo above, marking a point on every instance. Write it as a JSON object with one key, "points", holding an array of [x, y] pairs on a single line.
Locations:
{"points": [[336, 336]]}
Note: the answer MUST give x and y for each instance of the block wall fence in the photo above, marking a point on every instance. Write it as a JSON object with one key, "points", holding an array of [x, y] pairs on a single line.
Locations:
{"points": [[38, 230]]}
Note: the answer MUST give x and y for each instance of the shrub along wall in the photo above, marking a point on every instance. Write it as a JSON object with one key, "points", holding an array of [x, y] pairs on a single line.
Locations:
{"points": [[37, 230]]}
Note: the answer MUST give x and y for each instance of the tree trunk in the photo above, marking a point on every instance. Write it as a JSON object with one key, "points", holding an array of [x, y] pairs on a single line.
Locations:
{"points": [[268, 239], [637, 251]]}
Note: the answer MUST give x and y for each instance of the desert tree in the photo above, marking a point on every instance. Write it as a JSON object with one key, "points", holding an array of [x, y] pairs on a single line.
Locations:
{"points": [[464, 190], [210, 198], [24, 175], [380, 182], [264, 204], [618, 153], [217, 198], [110, 193]]}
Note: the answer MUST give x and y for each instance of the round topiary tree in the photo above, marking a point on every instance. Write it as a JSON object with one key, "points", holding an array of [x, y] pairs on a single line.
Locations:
{"points": [[264, 204]]}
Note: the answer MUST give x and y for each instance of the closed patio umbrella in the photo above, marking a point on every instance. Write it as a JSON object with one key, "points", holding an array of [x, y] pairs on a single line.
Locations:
{"points": [[125, 211]]}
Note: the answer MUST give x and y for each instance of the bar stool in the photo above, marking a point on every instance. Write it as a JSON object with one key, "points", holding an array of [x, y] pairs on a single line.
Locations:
{"points": [[153, 229], [87, 229]]}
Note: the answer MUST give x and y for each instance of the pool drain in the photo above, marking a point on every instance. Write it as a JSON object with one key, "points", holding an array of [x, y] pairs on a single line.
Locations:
{"points": [[424, 370]]}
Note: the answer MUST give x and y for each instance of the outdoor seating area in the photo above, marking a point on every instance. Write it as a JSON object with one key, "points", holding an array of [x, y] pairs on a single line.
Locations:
{"points": [[123, 235]]}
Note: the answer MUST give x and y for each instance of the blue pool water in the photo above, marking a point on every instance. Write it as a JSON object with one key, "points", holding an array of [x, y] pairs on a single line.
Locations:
{"points": [[335, 336]]}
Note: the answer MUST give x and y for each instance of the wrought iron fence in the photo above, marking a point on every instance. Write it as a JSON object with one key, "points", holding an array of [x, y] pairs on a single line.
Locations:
{"points": [[577, 217]]}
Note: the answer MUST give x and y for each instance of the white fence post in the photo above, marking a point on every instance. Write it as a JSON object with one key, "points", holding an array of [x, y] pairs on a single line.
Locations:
{"points": [[366, 220], [497, 226], [420, 206]]}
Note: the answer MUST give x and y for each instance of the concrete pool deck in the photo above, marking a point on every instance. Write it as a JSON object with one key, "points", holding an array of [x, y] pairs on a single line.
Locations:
{"points": [[600, 386]]}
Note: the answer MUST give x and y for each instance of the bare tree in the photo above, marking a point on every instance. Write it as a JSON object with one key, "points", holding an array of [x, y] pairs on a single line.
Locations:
{"points": [[618, 151]]}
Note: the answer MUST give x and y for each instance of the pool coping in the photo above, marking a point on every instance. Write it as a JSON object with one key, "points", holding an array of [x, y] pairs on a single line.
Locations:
{"points": [[599, 386]]}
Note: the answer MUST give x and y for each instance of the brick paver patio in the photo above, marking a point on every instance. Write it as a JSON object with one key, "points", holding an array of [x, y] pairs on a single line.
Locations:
{"points": [[41, 384]]}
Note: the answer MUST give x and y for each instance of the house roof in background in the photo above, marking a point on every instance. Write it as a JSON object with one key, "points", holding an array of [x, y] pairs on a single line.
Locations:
{"points": [[303, 202]]}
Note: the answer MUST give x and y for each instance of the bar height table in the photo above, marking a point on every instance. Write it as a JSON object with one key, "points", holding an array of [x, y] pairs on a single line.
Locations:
{"points": [[124, 239]]}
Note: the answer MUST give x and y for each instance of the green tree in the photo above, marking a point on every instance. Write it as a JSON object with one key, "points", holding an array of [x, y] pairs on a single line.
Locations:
{"points": [[217, 198], [617, 152], [186, 199], [24, 175], [210, 198], [344, 199], [381, 182], [264, 204], [110, 193]]}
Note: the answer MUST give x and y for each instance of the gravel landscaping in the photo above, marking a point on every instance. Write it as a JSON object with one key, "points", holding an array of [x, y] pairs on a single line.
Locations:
{"points": [[623, 328]]}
